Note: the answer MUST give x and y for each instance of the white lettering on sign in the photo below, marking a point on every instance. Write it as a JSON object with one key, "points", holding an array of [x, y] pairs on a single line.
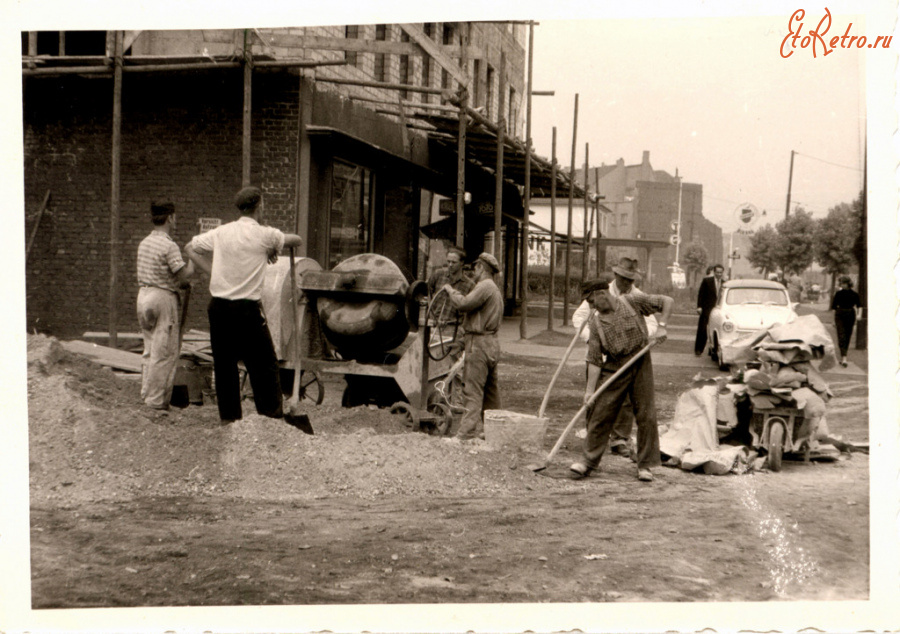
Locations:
{"points": [[207, 224]]}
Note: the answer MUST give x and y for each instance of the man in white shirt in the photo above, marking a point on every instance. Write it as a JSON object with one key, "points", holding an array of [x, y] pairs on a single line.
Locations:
{"points": [[626, 272], [238, 331]]}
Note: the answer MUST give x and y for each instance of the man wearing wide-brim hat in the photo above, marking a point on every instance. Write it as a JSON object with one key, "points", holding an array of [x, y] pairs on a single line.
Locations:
{"points": [[482, 309], [618, 333], [621, 282]]}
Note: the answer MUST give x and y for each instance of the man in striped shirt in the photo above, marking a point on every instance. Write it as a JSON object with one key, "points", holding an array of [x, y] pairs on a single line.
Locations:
{"points": [[161, 272]]}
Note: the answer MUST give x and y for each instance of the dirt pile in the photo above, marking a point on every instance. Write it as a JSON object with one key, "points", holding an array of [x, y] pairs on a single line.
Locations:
{"points": [[92, 439]]}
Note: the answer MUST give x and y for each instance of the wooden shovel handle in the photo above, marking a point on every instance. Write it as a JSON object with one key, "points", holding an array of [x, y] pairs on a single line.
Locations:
{"points": [[562, 363], [594, 396]]}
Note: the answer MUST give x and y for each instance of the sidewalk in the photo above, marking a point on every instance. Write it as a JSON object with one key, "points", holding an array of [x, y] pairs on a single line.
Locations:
{"points": [[511, 343]]}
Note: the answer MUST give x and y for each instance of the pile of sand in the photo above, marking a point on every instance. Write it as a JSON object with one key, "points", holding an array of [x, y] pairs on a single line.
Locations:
{"points": [[92, 439]]}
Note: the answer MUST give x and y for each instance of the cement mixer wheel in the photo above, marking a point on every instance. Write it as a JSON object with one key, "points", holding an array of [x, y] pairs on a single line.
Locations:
{"points": [[443, 418], [409, 414]]}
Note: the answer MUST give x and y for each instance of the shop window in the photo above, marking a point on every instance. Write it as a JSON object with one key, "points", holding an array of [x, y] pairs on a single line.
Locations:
{"points": [[350, 221]]}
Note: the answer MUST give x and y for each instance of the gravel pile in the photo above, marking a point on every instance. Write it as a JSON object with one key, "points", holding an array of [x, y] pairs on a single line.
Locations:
{"points": [[92, 439]]}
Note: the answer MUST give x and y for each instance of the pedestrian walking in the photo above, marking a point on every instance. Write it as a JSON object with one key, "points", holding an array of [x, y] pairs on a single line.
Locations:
{"points": [[483, 311], [238, 331], [847, 308], [161, 272], [618, 332], [707, 296]]}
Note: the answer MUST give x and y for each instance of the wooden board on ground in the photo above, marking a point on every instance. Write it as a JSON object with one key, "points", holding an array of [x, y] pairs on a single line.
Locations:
{"points": [[112, 357]]}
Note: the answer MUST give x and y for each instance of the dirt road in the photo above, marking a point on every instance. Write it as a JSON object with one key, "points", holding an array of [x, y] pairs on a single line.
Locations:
{"points": [[134, 510]]}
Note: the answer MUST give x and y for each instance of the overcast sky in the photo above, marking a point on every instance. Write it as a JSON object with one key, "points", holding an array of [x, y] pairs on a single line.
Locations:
{"points": [[711, 97]]}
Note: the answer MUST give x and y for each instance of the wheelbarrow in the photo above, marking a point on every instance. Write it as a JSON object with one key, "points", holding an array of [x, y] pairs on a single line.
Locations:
{"points": [[778, 431]]}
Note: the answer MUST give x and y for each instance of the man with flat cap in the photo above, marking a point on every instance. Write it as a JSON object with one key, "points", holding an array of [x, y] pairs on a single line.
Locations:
{"points": [[482, 309], [161, 273], [237, 325], [618, 332], [626, 273]]}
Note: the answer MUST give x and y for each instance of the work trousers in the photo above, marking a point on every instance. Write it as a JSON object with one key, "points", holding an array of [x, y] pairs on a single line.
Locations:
{"points": [[621, 431], [635, 383], [700, 339], [481, 389], [844, 319], [157, 313], [238, 332]]}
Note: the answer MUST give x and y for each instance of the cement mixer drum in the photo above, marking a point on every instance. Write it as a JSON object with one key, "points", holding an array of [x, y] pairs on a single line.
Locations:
{"points": [[361, 304]]}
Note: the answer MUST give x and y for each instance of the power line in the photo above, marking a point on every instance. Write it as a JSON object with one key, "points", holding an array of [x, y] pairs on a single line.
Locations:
{"points": [[815, 158]]}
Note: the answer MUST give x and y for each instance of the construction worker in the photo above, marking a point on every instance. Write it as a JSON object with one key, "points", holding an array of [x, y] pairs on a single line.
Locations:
{"points": [[237, 326], [161, 272], [618, 333], [483, 312], [626, 274]]}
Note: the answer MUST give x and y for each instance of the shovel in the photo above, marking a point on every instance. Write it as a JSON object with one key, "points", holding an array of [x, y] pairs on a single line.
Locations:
{"points": [[593, 397], [293, 414]]}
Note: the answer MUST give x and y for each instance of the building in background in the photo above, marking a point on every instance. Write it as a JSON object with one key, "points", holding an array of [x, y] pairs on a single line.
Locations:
{"points": [[350, 130]]}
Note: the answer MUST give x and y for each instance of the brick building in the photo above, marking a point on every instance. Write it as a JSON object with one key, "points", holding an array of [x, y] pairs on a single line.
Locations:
{"points": [[345, 128], [643, 204]]}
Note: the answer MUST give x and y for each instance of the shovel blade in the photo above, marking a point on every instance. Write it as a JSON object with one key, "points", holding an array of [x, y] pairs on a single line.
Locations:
{"points": [[300, 421]]}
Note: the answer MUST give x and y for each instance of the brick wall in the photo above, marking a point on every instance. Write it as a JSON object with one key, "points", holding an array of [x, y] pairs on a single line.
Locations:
{"points": [[181, 140]]}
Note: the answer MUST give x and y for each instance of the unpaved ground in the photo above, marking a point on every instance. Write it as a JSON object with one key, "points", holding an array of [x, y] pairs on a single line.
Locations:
{"points": [[130, 509]]}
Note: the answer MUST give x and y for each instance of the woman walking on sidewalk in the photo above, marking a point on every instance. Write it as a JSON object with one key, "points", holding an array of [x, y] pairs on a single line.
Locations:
{"points": [[846, 306]]}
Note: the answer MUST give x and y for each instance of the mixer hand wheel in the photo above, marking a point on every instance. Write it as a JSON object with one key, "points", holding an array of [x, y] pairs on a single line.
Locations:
{"points": [[444, 322]]}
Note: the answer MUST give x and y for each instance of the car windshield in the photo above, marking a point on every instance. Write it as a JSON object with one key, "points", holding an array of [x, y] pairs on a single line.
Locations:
{"points": [[766, 296]]}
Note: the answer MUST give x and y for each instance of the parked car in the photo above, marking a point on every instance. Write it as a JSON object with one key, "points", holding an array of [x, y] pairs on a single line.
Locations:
{"points": [[746, 306]]}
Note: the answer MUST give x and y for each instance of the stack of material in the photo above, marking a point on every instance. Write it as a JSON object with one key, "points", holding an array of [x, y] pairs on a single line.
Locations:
{"points": [[791, 357]]}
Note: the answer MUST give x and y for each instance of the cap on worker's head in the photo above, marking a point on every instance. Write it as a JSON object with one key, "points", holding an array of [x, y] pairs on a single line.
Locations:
{"points": [[596, 284], [627, 268], [248, 198], [491, 261], [161, 210]]}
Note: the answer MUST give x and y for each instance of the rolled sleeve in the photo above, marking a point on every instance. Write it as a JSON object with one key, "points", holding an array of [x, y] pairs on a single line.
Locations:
{"points": [[174, 259], [203, 242]]}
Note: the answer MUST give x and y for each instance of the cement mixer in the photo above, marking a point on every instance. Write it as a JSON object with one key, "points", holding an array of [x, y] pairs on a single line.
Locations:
{"points": [[365, 321]]}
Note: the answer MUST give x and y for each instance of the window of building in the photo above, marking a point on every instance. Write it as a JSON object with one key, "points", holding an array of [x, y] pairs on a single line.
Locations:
{"points": [[382, 62], [448, 34], [350, 221], [67, 43], [351, 32], [404, 75], [511, 113], [623, 220]]}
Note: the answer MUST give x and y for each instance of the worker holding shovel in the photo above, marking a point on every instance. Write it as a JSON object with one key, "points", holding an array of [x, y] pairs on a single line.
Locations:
{"points": [[618, 333]]}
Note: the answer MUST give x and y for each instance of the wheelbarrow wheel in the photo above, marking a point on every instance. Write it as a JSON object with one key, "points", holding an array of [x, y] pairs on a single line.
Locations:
{"points": [[311, 387], [776, 445], [443, 418]]}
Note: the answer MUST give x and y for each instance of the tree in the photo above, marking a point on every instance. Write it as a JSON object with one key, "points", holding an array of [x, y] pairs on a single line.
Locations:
{"points": [[696, 257], [835, 238], [763, 244], [794, 247]]}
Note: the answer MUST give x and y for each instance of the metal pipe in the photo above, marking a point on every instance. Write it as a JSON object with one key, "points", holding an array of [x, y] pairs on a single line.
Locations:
{"points": [[585, 235], [247, 63], [461, 147]]}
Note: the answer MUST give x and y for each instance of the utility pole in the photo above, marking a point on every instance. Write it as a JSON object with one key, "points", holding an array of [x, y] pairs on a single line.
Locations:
{"points": [[787, 207]]}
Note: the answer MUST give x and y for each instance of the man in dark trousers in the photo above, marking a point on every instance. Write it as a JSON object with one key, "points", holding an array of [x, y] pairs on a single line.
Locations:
{"points": [[707, 297], [483, 309], [237, 325], [618, 332]]}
